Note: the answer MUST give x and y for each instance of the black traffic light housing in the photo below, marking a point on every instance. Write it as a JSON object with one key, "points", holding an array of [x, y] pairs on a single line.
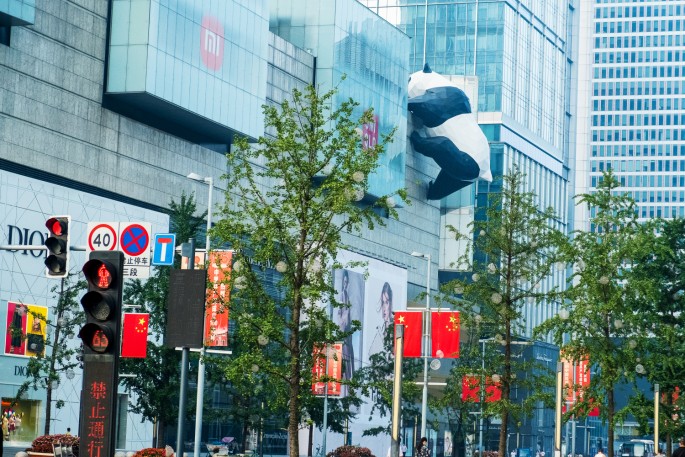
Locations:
{"points": [[57, 261], [101, 336], [102, 303]]}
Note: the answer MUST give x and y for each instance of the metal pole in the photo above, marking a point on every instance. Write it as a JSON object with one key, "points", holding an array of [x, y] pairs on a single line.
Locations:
{"points": [[573, 404], [182, 400], [325, 406], [557, 411], [201, 364], [482, 399], [397, 393], [426, 349], [657, 397]]}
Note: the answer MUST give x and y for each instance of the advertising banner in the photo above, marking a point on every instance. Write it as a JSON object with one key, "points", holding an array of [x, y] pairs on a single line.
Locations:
{"points": [[216, 314], [334, 369], [26, 330], [373, 292]]}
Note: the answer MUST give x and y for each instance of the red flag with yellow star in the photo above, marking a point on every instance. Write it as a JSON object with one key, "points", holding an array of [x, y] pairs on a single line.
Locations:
{"points": [[134, 335], [445, 334], [412, 331]]}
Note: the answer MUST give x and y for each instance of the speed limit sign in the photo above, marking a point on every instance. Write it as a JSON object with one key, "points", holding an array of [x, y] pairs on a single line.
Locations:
{"points": [[102, 236]]}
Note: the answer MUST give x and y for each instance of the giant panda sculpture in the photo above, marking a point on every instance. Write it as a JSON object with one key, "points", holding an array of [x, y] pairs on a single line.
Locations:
{"points": [[445, 130]]}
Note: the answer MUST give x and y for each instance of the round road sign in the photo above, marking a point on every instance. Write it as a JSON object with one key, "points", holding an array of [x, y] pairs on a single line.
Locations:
{"points": [[102, 237], [135, 240]]}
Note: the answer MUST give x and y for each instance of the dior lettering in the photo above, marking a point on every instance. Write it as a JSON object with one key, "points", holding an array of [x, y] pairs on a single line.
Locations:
{"points": [[21, 370], [26, 237]]}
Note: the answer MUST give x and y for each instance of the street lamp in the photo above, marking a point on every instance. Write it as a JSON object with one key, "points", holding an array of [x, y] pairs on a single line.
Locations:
{"points": [[201, 365], [426, 351]]}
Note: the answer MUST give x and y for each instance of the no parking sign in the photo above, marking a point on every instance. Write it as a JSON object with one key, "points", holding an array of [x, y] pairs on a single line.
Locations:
{"points": [[134, 242], [132, 238]]}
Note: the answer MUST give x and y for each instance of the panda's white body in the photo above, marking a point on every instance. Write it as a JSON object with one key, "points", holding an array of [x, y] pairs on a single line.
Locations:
{"points": [[444, 128]]}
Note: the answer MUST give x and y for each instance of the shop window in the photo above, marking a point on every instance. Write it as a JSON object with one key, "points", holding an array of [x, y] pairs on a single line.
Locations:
{"points": [[22, 419]]}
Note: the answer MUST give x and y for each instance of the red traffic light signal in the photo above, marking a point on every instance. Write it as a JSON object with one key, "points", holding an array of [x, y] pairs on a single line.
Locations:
{"points": [[57, 261], [102, 302]]}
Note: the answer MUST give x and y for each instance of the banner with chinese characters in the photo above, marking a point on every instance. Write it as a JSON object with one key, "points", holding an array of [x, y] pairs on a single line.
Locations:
{"points": [[26, 329], [216, 314], [334, 369]]}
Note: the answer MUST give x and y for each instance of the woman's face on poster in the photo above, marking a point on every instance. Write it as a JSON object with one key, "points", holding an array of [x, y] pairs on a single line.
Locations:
{"points": [[386, 306]]}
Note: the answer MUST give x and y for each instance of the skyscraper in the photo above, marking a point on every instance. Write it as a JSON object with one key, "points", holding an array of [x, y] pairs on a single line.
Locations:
{"points": [[634, 99]]}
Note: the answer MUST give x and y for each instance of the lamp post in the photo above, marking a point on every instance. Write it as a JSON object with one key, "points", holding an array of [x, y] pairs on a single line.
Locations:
{"points": [[426, 342], [201, 365]]}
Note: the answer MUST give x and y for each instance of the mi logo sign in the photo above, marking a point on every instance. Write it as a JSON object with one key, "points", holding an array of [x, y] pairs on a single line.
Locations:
{"points": [[212, 43]]}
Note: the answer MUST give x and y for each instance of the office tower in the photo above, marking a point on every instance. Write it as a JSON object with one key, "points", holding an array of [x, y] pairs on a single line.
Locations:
{"points": [[633, 102]]}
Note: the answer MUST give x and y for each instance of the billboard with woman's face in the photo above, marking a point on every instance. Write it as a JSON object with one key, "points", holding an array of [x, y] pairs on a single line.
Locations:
{"points": [[373, 291]]}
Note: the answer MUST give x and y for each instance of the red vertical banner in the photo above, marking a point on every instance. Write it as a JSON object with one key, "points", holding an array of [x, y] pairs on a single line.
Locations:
{"points": [[413, 330], [445, 334], [216, 313], [334, 369], [134, 335]]}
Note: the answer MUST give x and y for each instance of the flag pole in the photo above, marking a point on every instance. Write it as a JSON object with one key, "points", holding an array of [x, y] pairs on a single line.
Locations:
{"points": [[397, 392]]}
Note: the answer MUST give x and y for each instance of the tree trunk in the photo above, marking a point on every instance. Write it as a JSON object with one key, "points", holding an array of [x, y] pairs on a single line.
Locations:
{"points": [[610, 406], [506, 389], [295, 374], [311, 440]]}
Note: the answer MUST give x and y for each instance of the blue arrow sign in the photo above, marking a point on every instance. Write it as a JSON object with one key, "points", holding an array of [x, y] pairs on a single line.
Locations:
{"points": [[163, 249]]}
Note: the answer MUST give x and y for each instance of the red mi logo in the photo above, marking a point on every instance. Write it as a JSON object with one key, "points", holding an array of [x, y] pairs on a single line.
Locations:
{"points": [[212, 43]]}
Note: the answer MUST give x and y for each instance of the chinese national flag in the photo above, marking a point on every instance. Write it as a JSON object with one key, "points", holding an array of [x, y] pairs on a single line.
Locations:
{"points": [[493, 391], [470, 388], [445, 334], [412, 322], [134, 338]]}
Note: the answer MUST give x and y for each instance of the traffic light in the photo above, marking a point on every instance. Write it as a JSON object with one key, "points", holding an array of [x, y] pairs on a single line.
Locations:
{"points": [[57, 261], [102, 303]]}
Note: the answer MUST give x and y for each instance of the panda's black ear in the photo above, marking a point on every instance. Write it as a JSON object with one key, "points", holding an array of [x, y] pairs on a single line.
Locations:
{"points": [[409, 79], [426, 68]]}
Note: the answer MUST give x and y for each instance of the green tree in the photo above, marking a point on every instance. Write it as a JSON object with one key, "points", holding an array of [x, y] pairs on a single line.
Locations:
{"points": [[514, 245], [600, 316], [659, 276], [157, 375], [59, 358], [291, 198]]}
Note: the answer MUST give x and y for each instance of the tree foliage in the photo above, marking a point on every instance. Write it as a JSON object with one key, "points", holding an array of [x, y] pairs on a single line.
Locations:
{"points": [[601, 319], [291, 197], [659, 277], [513, 247]]}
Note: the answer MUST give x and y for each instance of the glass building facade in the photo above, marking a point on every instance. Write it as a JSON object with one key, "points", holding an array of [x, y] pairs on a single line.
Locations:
{"points": [[348, 39], [523, 61], [637, 100], [17, 12], [522, 54], [190, 58]]}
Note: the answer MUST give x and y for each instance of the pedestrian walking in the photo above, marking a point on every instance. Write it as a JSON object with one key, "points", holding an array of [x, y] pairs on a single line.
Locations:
{"points": [[422, 448], [600, 453]]}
